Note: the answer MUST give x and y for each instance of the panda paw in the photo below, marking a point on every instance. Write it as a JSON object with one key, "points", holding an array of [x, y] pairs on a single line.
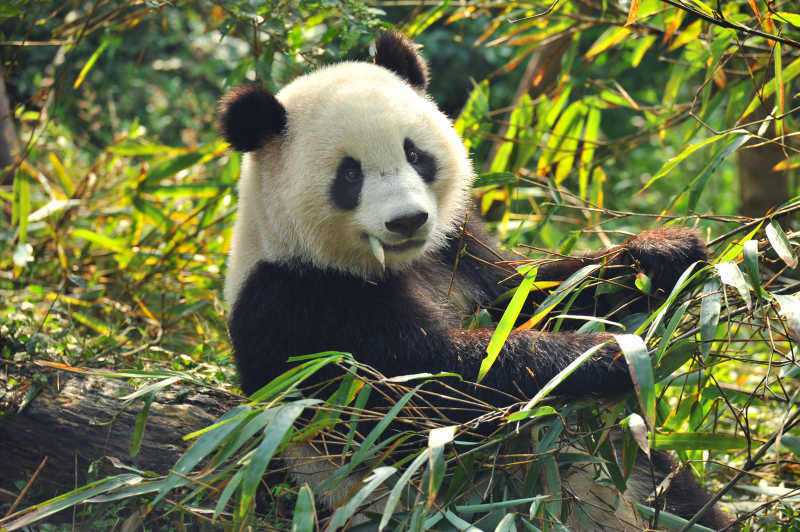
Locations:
{"points": [[664, 254]]}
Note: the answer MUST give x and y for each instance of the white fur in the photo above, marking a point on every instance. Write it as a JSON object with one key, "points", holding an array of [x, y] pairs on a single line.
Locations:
{"points": [[349, 109]]}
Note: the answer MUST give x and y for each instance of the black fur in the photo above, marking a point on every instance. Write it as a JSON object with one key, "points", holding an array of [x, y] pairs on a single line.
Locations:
{"points": [[423, 162], [345, 190], [249, 115], [397, 53]]}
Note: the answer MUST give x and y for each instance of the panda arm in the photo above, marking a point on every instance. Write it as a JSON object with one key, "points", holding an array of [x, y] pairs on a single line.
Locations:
{"points": [[663, 254], [282, 312]]}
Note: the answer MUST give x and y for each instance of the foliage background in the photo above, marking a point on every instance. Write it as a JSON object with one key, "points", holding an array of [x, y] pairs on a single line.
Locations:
{"points": [[117, 213]]}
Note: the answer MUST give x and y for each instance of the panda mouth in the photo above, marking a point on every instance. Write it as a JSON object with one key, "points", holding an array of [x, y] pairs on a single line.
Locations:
{"points": [[380, 248]]}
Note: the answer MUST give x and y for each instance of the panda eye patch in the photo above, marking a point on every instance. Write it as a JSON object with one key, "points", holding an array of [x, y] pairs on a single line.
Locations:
{"points": [[345, 190], [422, 161]]}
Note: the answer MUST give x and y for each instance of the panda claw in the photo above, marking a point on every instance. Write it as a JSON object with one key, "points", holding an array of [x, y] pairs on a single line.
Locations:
{"points": [[377, 250]]}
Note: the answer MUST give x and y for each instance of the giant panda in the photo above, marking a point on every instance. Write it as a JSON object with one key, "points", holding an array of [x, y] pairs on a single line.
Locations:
{"points": [[355, 233]]}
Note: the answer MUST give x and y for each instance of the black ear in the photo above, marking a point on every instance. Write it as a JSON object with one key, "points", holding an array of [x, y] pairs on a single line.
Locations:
{"points": [[249, 115], [397, 53]]}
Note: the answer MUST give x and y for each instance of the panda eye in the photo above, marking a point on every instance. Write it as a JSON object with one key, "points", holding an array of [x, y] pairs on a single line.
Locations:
{"points": [[412, 157], [352, 175]]}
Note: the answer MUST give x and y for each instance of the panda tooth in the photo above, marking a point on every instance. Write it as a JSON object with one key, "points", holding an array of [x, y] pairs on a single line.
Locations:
{"points": [[377, 250]]}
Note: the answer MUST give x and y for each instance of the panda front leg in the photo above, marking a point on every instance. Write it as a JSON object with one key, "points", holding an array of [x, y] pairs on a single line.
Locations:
{"points": [[662, 254]]}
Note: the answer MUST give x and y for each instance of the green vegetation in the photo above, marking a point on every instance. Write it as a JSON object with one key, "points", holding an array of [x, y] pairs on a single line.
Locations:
{"points": [[587, 121]]}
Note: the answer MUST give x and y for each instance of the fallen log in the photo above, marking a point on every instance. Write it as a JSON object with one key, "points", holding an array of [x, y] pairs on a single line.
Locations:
{"points": [[55, 424]]}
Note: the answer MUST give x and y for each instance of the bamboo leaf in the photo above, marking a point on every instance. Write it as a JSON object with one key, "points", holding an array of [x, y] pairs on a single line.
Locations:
{"points": [[274, 434], [780, 243], [688, 441], [710, 309], [699, 182], [90, 63], [730, 275], [686, 152], [397, 491], [612, 36], [641, 370], [69, 499], [204, 446], [563, 374], [141, 421], [343, 513], [304, 513], [507, 322]]}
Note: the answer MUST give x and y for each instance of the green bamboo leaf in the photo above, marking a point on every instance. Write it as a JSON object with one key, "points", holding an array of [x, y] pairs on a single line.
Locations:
{"points": [[21, 208], [567, 122], [292, 378], [304, 515], [563, 374], [791, 18], [141, 421], [710, 309], [397, 490], [170, 167], [71, 498], [437, 439], [546, 306], [768, 89], [61, 175], [150, 210], [228, 492], [780, 243], [90, 63], [274, 434], [343, 513], [699, 183], [473, 118], [520, 119], [425, 19], [507, 322], [642, 45], [460, 524], [687, 151], [205, 445], [730, 275], [673, 358], [750, 261], [733, 249], [591, 133], [366, 446], [538, 412], [117, 245], [569, 146], [641, 370], [669, 330], [152, 388], [497, 505], [507, 524], [669, 521], [688, 441], [612, 36], [494, 178], [193, 190]]}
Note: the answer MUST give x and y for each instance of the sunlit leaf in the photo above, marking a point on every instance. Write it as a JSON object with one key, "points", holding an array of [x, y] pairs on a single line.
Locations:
{"points": [[641, 370], [710, 309], [780, 243], [730, 275], [506, 323]]}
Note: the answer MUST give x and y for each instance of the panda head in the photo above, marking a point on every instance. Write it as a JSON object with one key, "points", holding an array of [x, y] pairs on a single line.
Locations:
{"points": [[351, 167]]}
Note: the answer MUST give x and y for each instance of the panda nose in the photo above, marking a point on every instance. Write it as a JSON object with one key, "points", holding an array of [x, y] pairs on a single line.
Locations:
{"points": [[407, 225]]}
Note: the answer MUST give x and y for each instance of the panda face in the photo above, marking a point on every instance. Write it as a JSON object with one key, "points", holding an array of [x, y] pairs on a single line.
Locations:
{"points": [[367, 177]]}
